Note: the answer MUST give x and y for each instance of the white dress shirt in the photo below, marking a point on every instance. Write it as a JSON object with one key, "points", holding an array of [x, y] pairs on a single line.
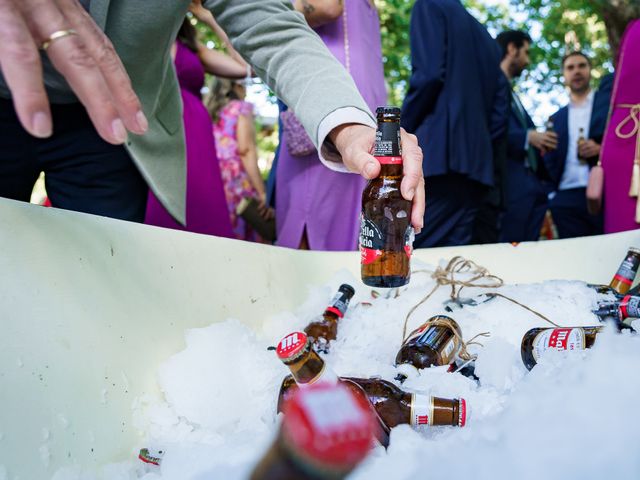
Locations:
{"points": [[576, 174]]}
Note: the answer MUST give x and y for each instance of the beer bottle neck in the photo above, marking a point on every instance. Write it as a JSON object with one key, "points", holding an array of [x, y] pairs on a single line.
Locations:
{"points": [[308, 368]]}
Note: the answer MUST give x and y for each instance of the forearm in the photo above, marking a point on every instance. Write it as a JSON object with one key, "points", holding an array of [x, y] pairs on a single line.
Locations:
{"points": [[319, 12], [250, 162]]}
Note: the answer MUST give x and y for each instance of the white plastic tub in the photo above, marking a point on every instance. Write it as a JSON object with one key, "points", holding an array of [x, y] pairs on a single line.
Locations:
{"points": [[90, 307]]}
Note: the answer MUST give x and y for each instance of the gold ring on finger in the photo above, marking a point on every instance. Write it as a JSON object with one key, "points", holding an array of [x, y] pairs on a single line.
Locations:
{"points": [[57, 35]]}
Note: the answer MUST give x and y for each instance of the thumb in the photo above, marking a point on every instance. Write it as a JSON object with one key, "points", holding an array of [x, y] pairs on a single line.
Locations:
{"points": [[361, 161]]}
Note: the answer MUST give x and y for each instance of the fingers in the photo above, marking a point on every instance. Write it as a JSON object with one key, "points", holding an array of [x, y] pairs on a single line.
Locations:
{"points": [[101, 50], [22, 70], [411, 163], [418, 207]]}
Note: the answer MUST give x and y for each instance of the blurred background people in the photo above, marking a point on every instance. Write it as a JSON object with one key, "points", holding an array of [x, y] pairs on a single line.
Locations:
{"points": [[317, 208], [527, 180], [456, 105], [580, 127], [207, 210], [234, 133]]}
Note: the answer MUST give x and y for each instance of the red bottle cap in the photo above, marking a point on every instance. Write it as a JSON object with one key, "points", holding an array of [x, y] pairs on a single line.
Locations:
{"points": [[328, 427], [291, 345], [462, 416]]}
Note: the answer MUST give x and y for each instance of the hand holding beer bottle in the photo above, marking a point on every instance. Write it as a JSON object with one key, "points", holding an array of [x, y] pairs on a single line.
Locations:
{"points": [[355, 143]]}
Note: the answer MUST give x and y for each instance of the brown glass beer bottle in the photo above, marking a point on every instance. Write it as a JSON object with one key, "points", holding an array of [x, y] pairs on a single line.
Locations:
{"points": [[386, 235], [627, 307], [434, 343], [392, 405], [326, 432], [537, 341], [323, 331], [581, 139], [626, 274]]}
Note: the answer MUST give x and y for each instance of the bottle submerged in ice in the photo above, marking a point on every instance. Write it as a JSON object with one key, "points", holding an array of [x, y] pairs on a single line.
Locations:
{"points": [[392, 405], [323, 331]]}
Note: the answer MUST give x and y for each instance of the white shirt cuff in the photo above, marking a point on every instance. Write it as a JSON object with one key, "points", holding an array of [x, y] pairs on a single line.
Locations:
{"points": [[328, 153], [526, 140]]}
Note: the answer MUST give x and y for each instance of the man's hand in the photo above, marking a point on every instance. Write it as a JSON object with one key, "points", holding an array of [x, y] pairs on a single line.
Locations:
{"points": [[86, 59], [543, 141], [588, 149], [355, 142]]}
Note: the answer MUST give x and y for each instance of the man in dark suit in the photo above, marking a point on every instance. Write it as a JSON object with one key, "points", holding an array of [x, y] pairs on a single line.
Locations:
{"points": [[580, 126], [527, 189], [455, 120]]}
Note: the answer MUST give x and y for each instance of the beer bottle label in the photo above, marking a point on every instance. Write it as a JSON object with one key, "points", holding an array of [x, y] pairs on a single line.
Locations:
{"points": [[409, 237], [388, 141], [338, 305], [630, 307], [372, 241], [628, 269], [558, 339], [421, 411]]}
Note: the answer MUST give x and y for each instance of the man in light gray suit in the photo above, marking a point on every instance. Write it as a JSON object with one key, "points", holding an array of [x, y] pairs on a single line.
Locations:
{"points": [[107, 117]]}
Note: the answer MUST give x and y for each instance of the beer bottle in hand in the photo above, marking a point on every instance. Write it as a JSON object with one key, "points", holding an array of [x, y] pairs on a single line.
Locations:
{"points": [[392, 405], [434, 343], [321, 332], [626, 274], [386, 235], [581, 140], [537, 341], [326, 432]]}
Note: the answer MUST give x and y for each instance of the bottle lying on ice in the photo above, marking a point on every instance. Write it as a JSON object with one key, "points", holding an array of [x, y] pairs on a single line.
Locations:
{"points": [[323, 331], [386, 234], [434, 343], [325, 433], [537, 341], [392, 405], [628, 307]]}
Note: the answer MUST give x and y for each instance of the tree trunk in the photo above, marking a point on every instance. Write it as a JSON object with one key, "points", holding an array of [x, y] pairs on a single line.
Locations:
{"points": [[616, 15]]}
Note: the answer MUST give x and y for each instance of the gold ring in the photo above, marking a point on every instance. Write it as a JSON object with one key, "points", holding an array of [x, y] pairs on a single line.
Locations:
{"points": [[56, 36]]}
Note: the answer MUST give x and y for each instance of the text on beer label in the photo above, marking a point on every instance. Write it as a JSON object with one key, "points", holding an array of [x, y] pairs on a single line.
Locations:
{"points": [[558, 339], [421, 411]]}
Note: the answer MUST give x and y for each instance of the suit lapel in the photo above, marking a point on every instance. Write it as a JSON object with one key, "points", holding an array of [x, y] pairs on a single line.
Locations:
{"points": [[99, 10]]}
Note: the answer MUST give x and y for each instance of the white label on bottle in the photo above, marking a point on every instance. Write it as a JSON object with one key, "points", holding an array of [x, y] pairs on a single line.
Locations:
{"points": [[326, 375], [448, 350], [557, 339], [421, 411]]}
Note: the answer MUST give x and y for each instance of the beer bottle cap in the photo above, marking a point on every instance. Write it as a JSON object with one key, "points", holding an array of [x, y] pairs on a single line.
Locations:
{"points": [[292, 345], [463, 412], [348, 289], [388, 109], [328, 427]]}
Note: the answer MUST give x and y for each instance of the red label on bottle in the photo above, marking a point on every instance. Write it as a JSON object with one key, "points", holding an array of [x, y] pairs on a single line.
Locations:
{"points": [[622, 279], [369, 255], [630, 307], [390, 160]]}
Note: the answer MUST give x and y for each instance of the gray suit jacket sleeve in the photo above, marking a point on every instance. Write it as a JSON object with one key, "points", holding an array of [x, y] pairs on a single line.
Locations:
{"points": [[290, 57]]}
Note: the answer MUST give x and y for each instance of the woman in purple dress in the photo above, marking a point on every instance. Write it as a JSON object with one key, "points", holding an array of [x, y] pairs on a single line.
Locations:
{"points": [[206, 205], [620, 155], [317, 208]]}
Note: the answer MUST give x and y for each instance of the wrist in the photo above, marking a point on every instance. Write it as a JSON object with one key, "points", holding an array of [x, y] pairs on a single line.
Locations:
{"points": [[342, 135]]}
